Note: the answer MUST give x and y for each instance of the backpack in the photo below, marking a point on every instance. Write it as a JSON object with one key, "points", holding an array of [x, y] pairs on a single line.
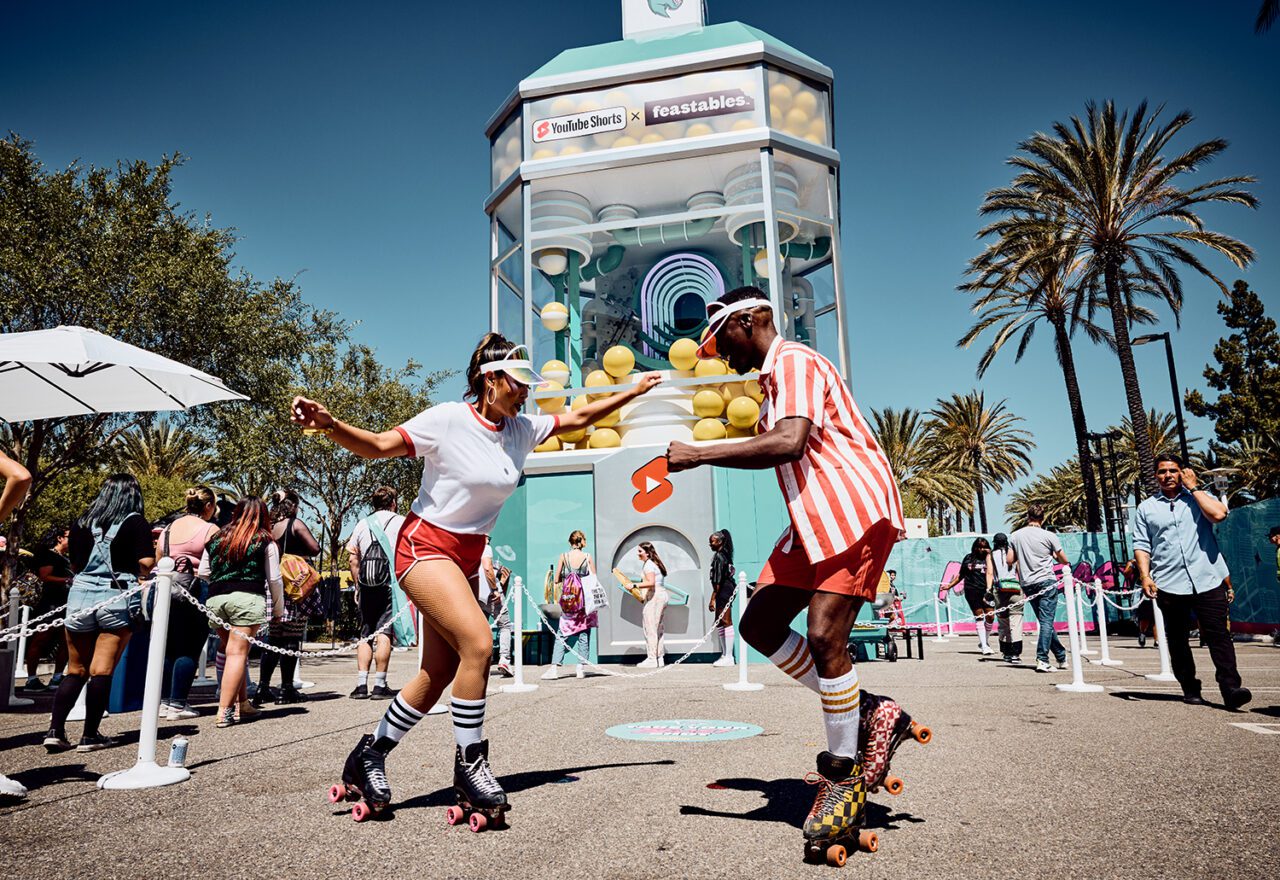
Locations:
{"points": [[375, 567], [571, 590]]}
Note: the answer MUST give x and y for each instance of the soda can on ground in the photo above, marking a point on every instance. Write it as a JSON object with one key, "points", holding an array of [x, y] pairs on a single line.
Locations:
{"points": [[178, 752]]}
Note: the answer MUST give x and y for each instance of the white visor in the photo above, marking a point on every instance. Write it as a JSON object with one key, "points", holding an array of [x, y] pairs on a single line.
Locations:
{"points": [[717, 314], [519, 369]]}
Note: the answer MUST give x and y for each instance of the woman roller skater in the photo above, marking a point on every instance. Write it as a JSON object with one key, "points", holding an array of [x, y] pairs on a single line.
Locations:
{"points": [[472, 455], [845, 518]]}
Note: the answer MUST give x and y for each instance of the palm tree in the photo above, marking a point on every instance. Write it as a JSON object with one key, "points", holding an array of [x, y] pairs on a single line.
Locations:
{"points": [[1108, 183], [923, 481], [1161, 436], [1059, 491], [1015, 297], [1257, 457], [162, 450], [983, 442], [1267, 16]]}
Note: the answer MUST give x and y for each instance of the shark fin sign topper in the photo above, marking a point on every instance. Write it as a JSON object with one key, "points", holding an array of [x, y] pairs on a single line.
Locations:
{"points": [[646, 19]]}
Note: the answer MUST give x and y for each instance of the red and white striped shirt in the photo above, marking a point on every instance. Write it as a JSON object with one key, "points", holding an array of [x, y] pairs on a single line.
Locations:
{"points": [[843, 485]]}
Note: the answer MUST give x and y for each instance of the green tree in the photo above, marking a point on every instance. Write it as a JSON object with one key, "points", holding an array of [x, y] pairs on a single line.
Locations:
{"points": [[109, 249], [1161, 436], [983, 442], [923, 481], [163, 450], [259, 450], [1248, 372], [1106, 181], [1060, 491]]}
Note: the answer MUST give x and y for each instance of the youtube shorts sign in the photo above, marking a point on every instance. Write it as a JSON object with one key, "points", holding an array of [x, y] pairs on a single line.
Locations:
{"points": [[719, 103], [573, 125]]}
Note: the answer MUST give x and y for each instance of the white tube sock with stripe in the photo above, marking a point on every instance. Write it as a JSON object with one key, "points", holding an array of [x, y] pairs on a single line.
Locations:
{"points": [[468, 721], [794, 659], [841, 700], [399, 720]]}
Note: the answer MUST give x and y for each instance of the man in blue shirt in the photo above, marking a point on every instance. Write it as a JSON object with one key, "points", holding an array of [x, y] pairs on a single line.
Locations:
{"points": [[1184, 572]]}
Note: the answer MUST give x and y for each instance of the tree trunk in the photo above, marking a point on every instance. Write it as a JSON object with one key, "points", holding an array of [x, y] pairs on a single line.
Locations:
{"points": [[1092, 507], [1132, 391], [977, 488], [972, 525]]}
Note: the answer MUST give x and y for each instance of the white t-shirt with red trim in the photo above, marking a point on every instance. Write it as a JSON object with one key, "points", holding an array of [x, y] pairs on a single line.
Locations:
{"points": [[843, 484], [470, 465]]}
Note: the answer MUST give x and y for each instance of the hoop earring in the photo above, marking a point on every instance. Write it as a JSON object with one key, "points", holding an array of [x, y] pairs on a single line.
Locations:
{"points": [[491, 395]]}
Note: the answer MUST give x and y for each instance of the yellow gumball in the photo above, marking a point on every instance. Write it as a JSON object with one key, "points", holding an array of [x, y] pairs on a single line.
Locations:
{"points": [[625, 141], [598, 379], [798, 121], [606, 138], [743, 412], [732, 390], [707, 404], [805, 100], [752, 388], [544, 153], [776, 115], [555, 371], [555, 316], [712, 367], [570, 150], [619, 361], [611, 420], [736, 433], [551, 405], [652, 138], [743, 125], [573, 436], [604, 438], [683, 354], [561, 106], [579, 402], [551, 444], [698, 129], [709, 429], [780, 96]]}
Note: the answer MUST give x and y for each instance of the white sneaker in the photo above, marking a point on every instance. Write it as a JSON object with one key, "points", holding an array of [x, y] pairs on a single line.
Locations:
{"points": [[1042, 666], [986, 650], [551, 674], [580, 672], [724, 660], [1062, 664], [12, 788], [647, 663], [181, 712]]}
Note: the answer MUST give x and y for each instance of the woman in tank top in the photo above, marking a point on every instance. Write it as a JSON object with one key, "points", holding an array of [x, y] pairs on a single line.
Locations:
{"points": [[655, 604], [575, 626]]}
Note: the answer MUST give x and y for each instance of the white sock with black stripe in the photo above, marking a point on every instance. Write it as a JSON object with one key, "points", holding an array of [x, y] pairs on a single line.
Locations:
{"points": [[468, 721], [399, 720]]}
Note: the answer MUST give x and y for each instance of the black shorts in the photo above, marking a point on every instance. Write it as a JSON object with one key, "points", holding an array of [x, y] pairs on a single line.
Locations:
{"points": [[977, 600], [375, 609], [724, 597]]}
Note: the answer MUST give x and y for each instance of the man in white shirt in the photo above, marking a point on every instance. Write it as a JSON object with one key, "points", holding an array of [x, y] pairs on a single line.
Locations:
{"points": [[371, 555], [492, 596]]}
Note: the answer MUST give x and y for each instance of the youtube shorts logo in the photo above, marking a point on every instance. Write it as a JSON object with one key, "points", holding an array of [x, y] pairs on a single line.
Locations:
{"points": [[652, 485]]}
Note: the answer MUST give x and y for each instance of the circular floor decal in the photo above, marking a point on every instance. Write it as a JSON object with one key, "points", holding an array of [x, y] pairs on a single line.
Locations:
{"points": [[684, 730]]}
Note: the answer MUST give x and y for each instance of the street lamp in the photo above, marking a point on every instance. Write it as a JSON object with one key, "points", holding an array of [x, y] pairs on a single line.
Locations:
{"points": [[1173, 382]]}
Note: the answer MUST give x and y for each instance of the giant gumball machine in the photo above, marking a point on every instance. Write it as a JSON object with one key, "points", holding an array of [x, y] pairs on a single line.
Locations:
{"points": [[633, 183]]}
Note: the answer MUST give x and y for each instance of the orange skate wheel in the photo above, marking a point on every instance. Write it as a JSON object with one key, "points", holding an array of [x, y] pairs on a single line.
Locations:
{"points": [[454, 815], [360, 812], [921, 733], [337, 793], [478, 822], [894, 785], [836, 856], [868, 841]]}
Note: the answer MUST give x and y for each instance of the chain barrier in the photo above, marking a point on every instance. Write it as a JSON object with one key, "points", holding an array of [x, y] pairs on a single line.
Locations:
{"points": [[13, 633], [585, 662], [1011, 607], [288, 652]]}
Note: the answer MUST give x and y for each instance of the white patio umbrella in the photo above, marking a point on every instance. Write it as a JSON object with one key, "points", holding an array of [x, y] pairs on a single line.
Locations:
{"points": [[70, 371]]}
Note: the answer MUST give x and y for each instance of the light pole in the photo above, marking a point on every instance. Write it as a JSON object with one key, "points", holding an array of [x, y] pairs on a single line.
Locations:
{"points": [[1173, 382]]}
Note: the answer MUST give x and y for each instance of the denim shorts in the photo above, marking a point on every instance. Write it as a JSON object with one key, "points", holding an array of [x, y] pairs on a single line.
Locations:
{"points": [[239, 609], [115, 615]]}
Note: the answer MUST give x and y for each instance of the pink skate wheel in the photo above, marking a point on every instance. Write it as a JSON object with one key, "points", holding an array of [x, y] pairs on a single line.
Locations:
{"points": [[453, 815], [478, 822], [360, 812], [337, 793]]}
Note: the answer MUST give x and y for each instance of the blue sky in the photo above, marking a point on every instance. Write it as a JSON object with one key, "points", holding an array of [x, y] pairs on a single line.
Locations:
{"points": [[346, 146]]}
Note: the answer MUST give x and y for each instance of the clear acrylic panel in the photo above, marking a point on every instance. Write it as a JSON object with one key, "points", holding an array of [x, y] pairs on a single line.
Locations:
{"points": [[798, 107], [504, 152]]}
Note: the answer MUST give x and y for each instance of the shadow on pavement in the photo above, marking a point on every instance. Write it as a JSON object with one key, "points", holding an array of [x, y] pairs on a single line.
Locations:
{"points": [[1273, 711], [1144, 695], [517, 782], [788, 801]]}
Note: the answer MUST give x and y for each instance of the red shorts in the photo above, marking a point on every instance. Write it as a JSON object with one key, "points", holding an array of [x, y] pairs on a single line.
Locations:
{"points": [[855, 572], [420, 541]]}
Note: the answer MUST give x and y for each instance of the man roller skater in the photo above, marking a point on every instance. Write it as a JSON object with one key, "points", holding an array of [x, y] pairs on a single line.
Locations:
{"points": [[846, 515]]}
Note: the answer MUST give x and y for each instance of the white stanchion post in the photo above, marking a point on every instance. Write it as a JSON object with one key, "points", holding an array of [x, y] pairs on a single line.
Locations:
{"points": [[1162, 642], [937, 621], [951, 624], [743, 683], [299, 683], [1081, 605], [1100, 603], [203, 680], [1077, 685], [15, 702], [147, 773], [20, 661], [519, 686]]}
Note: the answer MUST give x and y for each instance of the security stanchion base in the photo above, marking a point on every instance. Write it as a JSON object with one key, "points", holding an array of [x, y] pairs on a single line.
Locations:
{"points": [[143, 775], [205, 683], [521, 688], [20, 702], [1082, 688], [1162, 676], [744, 686], [438, 709], [1107, 662], [301, 685]]}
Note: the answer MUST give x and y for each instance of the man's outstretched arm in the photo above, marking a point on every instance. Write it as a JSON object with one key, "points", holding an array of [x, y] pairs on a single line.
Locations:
{"points": [[783, 443]]}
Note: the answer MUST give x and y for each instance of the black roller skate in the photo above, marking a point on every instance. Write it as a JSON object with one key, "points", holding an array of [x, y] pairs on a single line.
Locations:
{"points": [[834, 825], [883, 728], [481, 800], [364, 779]]}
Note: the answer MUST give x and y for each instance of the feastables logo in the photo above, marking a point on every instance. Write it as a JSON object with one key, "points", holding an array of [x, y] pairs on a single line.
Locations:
{"points": [[555, 128], [718, 103]]}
